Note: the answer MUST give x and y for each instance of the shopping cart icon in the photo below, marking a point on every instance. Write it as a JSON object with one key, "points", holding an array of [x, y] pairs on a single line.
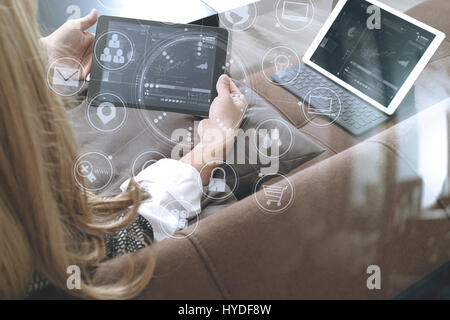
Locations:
{"points": [[274, 194]]}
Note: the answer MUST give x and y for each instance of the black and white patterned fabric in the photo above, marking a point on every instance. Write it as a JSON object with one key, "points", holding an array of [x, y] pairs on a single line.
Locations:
{"points": [[38, 283], [138, 235]]}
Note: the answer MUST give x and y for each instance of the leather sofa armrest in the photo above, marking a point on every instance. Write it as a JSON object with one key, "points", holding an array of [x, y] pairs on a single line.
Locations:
{"points": [[434, 13], [180, 272], [423, 142]]}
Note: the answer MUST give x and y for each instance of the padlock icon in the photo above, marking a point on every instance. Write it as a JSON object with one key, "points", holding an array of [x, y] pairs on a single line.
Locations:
{"points": [[218, 184]]}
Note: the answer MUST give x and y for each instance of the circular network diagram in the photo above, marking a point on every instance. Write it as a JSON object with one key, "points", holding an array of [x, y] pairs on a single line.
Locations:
{"points": [[175, 75]]}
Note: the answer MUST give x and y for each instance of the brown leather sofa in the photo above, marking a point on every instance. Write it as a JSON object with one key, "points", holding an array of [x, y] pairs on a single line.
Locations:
{"points": [[358, 204]]}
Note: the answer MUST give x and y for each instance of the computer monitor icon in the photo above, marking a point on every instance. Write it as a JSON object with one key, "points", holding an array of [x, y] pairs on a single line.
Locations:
{"points": [[295, 11], [320, 105]]}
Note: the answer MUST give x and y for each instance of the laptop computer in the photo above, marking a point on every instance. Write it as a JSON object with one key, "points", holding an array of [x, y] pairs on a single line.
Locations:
{"points": [[361, 66]]}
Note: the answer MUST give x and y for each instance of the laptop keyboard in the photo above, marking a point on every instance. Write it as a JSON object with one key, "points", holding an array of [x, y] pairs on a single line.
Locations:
{"points": [[356, 116]]}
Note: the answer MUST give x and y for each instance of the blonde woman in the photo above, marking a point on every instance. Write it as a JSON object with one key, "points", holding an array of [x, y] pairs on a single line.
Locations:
{"points": [[46, 222]]}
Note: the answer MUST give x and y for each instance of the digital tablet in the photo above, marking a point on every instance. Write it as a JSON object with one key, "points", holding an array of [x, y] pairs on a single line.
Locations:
{"points": [[156, 65], [373, 51]]}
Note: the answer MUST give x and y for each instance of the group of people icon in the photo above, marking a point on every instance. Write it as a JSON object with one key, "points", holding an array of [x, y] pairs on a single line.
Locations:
{"points": [[106, 56]]}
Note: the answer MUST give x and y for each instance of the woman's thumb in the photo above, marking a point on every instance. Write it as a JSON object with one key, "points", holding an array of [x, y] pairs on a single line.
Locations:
{"points": [[223, 86], [86, 22]]}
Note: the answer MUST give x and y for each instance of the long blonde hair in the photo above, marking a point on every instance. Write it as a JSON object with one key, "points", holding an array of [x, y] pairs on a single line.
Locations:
{"points": [[46, 222]]}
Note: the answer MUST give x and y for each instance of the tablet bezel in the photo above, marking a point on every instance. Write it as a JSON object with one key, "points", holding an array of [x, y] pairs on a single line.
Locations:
{"points": [[220, 59], [409, 82]]}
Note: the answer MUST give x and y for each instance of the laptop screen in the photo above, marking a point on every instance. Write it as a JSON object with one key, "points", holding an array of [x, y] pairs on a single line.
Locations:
{"points": [[375, 59]]}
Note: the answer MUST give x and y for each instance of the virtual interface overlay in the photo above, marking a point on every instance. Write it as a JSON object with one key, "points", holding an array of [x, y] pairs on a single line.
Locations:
{"points": [[161, 67], [374, 61], [53, 13]]}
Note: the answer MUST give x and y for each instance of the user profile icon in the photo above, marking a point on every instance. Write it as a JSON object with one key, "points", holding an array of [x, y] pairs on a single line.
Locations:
{"points": [[106, 113], [113, 50]]}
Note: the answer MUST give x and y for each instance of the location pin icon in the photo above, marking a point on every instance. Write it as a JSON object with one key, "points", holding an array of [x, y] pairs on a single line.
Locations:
{"points": [[111, 112]]}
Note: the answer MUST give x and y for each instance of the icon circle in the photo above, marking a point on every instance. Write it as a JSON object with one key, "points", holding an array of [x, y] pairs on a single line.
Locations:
{"points": [[276, 197], [93, 171], [274, 135], [63, 76], [322, 102], [115, 55]]}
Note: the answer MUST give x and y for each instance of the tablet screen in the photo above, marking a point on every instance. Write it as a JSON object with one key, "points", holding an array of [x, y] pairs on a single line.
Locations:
{"points": [[374, 60], [158, 66]]}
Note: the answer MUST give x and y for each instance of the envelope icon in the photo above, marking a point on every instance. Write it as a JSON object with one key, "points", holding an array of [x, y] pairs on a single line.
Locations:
{"points": [[66, 77]]}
